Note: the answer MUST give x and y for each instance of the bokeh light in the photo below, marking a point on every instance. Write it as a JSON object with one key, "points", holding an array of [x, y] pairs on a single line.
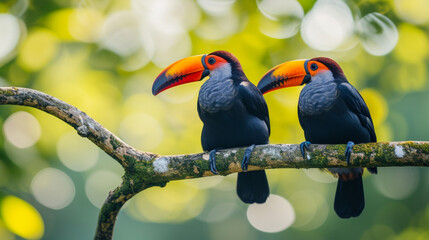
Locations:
{"points": [[22, 129], [328, 25], [379, 232], [162, 29], [38, 49], [168, 16], [280, 19], [217, 212], [21, 218], [177, 202], [232, 229], [102, 57], [397, 182], [27, 158], [414, 11], [405, 77], [204, 183], [377, 105], [138, 103], [216, 7], [77, 153], [413, 45], [413, 233], [218, 27], [3, 82], [12, 30], [59, 22], [19, 7], [171, 47], [319, 175], [85, 24], [378, 34], [275, 215], [99, 184], [4, 233], [311, 210], [141, 131], [228, 183], [120, 33], [53, 188]]}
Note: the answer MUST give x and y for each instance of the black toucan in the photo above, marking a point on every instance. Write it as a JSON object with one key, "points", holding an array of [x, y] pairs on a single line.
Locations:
{"points": [[330, 111], [232, 109]]}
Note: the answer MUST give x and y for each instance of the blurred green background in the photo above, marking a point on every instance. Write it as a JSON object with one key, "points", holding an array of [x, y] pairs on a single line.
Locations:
{"points": [[102, 57]]}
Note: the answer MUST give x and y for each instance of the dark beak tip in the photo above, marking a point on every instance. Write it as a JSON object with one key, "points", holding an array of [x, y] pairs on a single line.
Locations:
{"points": [[260, 85], [157, 86], [264, 82], [154, 92]]}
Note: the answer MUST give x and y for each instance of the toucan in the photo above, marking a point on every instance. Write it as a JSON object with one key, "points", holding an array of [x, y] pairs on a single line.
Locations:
{"points": [[232, 109], [330, 111]]}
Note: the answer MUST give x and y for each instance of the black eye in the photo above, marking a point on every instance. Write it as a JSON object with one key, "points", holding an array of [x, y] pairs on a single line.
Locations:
{"points": [[313, 67], [212, 61]]}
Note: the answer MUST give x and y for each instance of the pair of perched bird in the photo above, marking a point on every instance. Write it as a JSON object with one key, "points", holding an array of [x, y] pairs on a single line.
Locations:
{"points": [[235, 114]]}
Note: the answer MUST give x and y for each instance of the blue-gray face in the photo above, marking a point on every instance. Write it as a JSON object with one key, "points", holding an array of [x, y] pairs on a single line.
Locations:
{"points": [[319, 95], [218, 92]]}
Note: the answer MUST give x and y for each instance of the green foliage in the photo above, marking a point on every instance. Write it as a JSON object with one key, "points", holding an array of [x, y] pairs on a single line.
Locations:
{"points": [[102, 57]]}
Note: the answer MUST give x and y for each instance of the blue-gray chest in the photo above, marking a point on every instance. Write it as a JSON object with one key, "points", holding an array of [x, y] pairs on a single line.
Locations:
{"points": [[317, 97], [217, 95]]}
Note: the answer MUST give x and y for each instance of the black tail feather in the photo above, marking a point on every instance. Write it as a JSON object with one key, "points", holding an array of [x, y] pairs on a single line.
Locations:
{"points": [[252, 187], [349, 198]]}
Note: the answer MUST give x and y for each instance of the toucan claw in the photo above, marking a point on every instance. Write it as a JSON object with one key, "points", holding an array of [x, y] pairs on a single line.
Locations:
{"points": [[212, 161], [349, 149], [304, 146], [246, 157]]}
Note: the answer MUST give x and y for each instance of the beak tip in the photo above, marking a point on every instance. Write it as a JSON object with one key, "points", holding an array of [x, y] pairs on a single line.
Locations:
{"points": [[287, 74], [159, 84], [264, 82], [155, 90]]}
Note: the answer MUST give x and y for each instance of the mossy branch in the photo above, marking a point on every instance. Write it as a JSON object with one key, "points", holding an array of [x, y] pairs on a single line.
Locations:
{"points": [[144, 169]]}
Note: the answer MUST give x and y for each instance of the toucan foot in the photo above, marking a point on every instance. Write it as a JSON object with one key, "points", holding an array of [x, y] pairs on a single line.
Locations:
{"points": [[246, 157], [349, 150], [212, 161], [304, 146]]}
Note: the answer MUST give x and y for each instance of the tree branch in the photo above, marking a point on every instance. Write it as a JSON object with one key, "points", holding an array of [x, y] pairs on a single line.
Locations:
{"points": [[144, 169]]}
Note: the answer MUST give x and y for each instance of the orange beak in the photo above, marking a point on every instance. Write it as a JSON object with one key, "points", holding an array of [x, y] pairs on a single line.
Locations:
{"points": [[190, 69], [288, 74]]}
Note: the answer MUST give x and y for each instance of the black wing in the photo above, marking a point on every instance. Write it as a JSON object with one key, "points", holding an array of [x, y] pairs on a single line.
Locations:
{"points": [[357, 105], [254, 101]]}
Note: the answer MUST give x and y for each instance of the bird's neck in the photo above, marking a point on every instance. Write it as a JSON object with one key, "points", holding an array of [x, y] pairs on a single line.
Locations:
{"points": [[319, 95], [218, 92], [220, 73]]}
